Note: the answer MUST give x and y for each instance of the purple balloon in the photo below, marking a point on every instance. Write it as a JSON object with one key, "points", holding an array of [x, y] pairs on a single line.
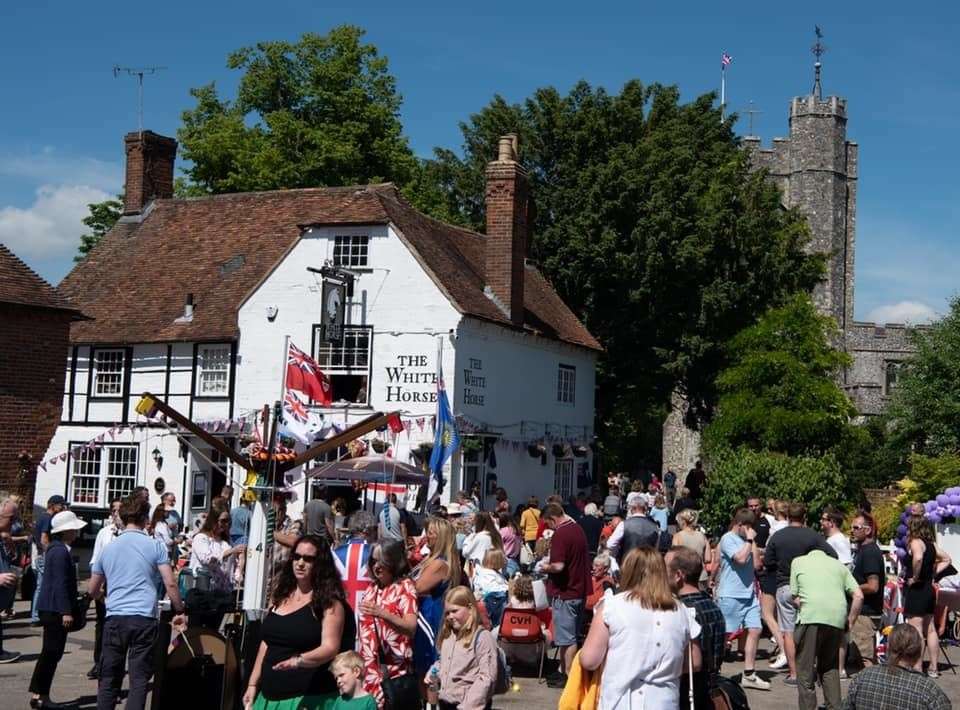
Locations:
{"points": [[934, 518], [954, 499], [900, 552], [930, 505], [901, 530], [942, 500]]}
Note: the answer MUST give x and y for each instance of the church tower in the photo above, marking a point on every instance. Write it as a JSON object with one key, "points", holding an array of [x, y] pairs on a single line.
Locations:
{"points": [[816, 170]]}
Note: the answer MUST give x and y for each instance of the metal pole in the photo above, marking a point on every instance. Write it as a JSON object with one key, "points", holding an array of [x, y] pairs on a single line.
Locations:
{"points": [[723, 89], [140, 103]]}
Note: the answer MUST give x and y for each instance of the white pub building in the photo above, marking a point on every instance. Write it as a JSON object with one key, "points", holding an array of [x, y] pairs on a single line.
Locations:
{"points": [[192, 300]]}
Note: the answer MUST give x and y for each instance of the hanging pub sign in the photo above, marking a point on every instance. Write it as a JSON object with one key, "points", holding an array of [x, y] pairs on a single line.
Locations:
{"points": [[334, 305]]}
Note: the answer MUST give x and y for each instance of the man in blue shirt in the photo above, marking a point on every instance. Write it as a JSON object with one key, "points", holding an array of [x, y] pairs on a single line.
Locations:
{"points": [[129, 567], [736, 597]]}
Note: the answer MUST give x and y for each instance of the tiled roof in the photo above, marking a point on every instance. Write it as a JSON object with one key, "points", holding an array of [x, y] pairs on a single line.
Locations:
{"points": [[219, 248], [21, 285]]}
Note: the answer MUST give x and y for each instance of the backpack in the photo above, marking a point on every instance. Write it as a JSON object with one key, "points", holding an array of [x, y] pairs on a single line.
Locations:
{"points": [[504, 679], [728, 695]]}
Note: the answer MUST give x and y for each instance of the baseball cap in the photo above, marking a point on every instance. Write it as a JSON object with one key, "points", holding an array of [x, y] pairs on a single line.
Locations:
{"points": [[56, 500]]}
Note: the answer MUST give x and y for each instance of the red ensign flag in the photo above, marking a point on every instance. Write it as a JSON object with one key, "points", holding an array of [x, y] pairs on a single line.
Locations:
{"points": [[304, 375]]}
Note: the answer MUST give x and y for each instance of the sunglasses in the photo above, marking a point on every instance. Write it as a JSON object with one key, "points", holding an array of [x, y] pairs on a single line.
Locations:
{"points": [[309, 559], [859, 527]]}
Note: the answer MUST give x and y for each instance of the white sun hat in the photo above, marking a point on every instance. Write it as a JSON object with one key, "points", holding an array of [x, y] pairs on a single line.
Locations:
{"points": [[65, 520]]}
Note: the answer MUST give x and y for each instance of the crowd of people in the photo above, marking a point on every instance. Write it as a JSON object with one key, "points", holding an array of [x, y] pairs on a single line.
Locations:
{"points": [[394, 610]]}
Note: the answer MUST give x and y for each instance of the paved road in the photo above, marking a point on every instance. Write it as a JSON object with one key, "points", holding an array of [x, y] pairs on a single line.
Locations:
{"points": [[71, 683]]}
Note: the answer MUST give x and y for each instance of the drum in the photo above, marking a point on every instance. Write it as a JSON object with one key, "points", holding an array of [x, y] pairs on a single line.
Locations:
{"points": [[201, 670]]}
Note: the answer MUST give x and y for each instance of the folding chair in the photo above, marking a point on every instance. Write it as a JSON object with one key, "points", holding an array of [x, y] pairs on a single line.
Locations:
{"points": [[521, 627]]}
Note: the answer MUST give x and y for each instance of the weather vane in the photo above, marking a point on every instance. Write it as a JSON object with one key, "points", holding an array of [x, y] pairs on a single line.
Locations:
{"points": [[818, 49]]}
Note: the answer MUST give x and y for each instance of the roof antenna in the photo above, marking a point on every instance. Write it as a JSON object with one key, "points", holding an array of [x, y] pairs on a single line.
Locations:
{"points": [[138, 72], [750, 114], [818, 49]]}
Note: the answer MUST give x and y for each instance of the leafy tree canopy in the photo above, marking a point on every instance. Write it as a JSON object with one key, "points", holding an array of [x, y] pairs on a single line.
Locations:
{"points": [[102, 217], [650, 224], [780, 391], [318, 112], [925, 410]]}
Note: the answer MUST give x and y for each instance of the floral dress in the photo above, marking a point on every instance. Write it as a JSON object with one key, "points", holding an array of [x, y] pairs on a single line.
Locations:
{"points": [[399, 598]]}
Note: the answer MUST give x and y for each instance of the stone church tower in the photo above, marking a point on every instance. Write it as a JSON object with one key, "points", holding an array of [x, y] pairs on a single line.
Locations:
{"points": [[816, 171]]}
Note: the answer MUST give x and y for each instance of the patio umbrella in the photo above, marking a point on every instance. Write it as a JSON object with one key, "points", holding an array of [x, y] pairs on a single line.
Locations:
{"points": [[371, 469]]}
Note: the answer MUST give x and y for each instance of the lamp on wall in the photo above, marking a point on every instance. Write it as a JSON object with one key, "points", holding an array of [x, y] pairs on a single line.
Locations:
{"points": [[157, 458]]}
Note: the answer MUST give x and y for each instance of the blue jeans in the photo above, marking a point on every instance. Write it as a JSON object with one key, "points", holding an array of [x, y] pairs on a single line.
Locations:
{"points": [[494, 603], [127, 641], [38, 570]]}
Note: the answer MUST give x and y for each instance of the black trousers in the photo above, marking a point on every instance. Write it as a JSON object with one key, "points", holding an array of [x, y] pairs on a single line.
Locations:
{"points": [[54, 641], [101, 608], [126, 639]]}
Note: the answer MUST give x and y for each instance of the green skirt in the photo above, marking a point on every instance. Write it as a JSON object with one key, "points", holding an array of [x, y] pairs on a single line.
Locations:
{"points": [[304, 702]]}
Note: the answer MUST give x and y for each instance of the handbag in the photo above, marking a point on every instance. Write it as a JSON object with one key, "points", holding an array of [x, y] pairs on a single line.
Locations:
{"points": [[526, 556], [81, 605], [400, 693]]}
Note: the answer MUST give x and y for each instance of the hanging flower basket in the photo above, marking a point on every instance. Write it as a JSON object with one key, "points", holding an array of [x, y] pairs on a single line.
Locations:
{"points": [[559, 450], [580, 451], [537, 450], [378, 445], [471, 445]]}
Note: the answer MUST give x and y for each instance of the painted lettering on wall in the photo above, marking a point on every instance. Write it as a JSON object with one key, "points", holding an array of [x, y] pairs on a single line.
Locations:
{"points": [[412, 379], [474, 383]]}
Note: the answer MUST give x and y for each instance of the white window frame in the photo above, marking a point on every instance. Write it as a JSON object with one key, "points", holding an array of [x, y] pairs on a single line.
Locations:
{"points": [[564, 478], [351, 251], [104, 472], [343, 359], [567, 384], [223, 366], [97, 372]]}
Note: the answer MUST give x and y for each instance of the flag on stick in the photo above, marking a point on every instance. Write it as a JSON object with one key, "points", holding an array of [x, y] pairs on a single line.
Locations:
{"points": [[446, 440], [304, 375]]}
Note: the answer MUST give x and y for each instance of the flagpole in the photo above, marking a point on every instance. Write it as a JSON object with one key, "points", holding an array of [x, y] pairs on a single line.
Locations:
{"points": [[723, 88], [283, 369]]}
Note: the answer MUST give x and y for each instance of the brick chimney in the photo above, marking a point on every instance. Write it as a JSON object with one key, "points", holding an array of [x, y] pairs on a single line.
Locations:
{"points": [[507, 197], [150, 159]]}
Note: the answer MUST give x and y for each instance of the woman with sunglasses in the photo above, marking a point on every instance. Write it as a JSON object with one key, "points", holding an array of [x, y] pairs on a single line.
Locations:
{"points": [[301, 634], [388, 622], [211, 553]]}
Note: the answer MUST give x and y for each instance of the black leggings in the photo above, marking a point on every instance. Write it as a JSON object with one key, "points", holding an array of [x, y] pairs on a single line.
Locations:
{"points": [[54, 642]]}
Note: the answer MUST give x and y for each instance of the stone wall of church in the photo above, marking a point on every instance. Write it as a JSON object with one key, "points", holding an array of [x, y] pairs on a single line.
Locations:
{"points": [[874, 348]]}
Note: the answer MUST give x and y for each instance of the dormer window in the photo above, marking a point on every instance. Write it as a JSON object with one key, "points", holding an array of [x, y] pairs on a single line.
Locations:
{"points": [[351, 251]]}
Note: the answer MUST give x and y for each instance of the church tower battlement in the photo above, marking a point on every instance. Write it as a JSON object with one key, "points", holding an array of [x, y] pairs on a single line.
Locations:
{"points": [[816, 171]]}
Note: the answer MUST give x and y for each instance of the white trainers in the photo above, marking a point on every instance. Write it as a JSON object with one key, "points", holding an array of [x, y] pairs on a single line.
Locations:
{"points": [[779, 662], [753, 681]]}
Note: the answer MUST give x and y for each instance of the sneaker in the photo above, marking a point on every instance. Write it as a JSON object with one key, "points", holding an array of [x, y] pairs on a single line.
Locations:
{"points": [[557, 681], [933, 674], [752, 680], [790, 681], [9, 656], [779, 662]]}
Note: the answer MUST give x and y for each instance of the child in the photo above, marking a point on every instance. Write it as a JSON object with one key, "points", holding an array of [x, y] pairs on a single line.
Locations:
{"points": [[468, 654], [489, 584], [347, 669]]}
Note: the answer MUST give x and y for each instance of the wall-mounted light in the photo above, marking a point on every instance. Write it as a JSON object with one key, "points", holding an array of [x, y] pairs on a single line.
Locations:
{"points": [[157, 458], [272, 313]]}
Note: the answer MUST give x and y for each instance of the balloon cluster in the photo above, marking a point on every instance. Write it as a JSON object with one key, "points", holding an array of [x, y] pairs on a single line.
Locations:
{"points": [[944, 507]]}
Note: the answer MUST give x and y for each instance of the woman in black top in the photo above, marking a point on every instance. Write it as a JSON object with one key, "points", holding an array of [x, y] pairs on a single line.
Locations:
{"points": [[301, 634], [919, 599], [58, 592]]}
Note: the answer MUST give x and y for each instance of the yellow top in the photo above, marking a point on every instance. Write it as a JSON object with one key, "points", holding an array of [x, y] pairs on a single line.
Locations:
{"points": [[529, 522]]}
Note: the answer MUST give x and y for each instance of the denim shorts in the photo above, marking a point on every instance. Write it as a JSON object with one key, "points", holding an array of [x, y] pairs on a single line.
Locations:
{"points": [[739, 613], [567, 621]]}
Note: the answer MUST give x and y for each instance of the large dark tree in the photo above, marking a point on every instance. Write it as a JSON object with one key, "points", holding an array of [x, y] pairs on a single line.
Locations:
{"points": [[651, 225], [318, 112]]}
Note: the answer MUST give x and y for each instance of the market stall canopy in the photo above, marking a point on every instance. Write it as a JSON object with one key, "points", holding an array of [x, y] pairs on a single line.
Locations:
{"points": [[371, 469]]}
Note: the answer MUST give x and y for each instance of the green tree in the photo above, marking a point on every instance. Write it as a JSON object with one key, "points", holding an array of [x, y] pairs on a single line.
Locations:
{"points": [[925, 411], [322, 111], [780, 391], [650, 224], [102, 217]]}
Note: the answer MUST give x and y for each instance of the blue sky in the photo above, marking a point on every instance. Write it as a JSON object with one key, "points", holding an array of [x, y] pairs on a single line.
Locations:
{"points": [[65, 114]]}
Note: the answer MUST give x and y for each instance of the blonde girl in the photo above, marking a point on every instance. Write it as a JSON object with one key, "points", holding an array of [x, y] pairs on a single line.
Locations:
{"points": [[468, 654]]}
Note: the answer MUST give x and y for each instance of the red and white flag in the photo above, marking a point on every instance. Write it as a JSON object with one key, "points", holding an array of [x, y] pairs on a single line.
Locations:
{"points": [[298, 421], [304, 375]]}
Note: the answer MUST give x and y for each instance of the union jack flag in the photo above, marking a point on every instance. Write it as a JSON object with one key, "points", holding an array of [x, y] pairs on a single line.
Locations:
{"points": [[296, 409], [350, 559], [305, 375], [725, 60]]}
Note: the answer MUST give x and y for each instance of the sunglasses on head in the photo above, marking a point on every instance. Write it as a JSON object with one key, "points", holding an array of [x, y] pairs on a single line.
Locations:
{"points": [[309, 559]]}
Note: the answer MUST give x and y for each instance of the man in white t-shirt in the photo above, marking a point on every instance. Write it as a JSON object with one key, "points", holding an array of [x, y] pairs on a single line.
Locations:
{"points": [[831, 522]]}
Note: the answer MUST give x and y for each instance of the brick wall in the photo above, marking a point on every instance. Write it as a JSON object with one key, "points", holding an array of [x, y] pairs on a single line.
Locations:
{"points": [[33, 352], [150, 160]]}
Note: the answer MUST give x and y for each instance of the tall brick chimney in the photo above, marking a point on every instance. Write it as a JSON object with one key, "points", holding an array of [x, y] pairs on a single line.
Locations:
{"points": [[507, 197], [150, 159]]}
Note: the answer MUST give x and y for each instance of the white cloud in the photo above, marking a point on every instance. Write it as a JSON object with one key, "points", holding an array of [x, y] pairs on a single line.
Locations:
{"points": [[912, 312], [50, 228], [49, 167]]}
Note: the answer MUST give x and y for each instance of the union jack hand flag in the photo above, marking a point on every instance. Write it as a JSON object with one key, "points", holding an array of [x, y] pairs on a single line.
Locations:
{"points": [[725, 60], [305, 375]]}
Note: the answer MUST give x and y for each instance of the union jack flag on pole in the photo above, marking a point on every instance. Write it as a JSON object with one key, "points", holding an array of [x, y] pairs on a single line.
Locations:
{"points": [[298, 421], [725, 59]]}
